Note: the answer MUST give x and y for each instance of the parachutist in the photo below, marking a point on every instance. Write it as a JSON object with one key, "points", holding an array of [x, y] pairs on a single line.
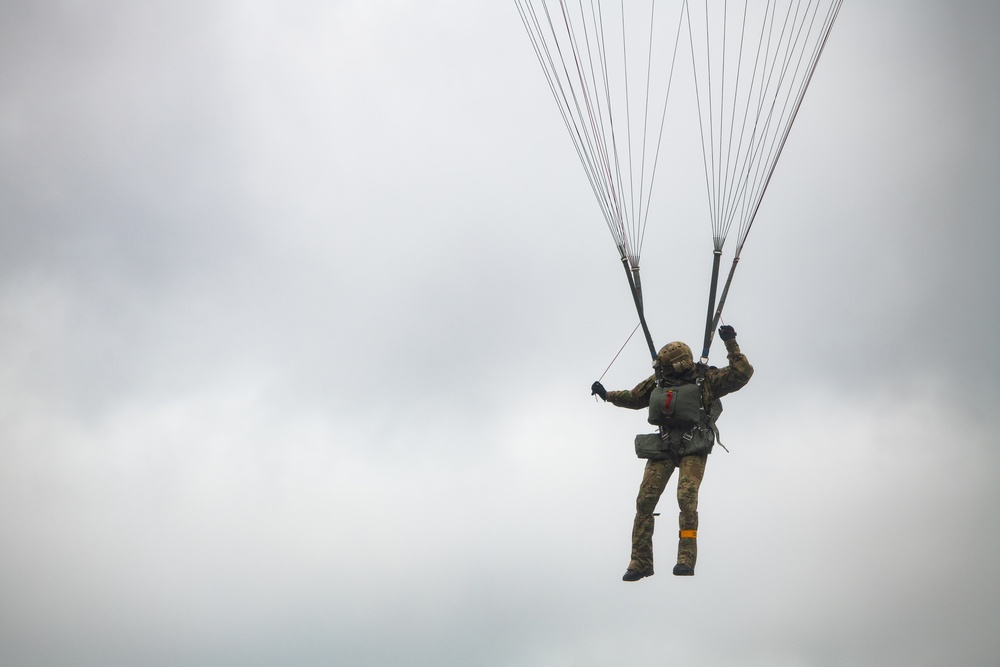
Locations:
{"points": [[738, 131], [683, 401]]}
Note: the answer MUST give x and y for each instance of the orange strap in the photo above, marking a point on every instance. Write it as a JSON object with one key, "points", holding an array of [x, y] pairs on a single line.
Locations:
{"points": [[689, 533]]}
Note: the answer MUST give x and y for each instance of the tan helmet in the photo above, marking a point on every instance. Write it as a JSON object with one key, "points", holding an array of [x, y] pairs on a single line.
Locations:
{"points": [[674, 357]]}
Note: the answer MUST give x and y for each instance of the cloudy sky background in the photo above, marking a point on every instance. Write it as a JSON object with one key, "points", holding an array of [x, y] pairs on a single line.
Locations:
{"points": [[299, 308]]}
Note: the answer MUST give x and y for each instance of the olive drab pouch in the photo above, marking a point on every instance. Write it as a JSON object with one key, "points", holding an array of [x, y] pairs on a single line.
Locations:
{"points": [[675, 443], [677, 406], [651, 446]]}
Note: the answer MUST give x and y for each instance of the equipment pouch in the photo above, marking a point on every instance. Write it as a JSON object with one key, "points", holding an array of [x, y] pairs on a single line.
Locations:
{"points": [[678, 406], [651, 446]]}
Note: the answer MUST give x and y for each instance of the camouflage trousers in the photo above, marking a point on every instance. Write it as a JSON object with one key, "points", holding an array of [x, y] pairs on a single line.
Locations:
{"points": [[654, 481]]}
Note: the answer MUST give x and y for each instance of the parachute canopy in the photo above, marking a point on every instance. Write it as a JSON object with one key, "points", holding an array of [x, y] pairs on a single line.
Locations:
{"points": [[612, 68]]}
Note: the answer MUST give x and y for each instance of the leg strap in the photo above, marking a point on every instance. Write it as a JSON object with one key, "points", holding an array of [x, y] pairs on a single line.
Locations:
{"points": [[689, 533]]}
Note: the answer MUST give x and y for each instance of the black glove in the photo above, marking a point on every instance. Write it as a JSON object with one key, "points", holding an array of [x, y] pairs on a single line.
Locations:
{"points": [[598, 388], [726, 332]]}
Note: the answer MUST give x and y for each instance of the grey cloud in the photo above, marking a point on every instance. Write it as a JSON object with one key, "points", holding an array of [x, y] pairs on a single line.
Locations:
{"points": [[298, 311]]}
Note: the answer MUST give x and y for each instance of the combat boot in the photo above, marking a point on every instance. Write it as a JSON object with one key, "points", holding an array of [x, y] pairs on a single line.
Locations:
{"points": [[636, 575]]}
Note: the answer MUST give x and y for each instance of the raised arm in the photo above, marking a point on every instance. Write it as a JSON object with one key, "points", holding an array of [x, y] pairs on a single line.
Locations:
{"points": [[722, 381]]}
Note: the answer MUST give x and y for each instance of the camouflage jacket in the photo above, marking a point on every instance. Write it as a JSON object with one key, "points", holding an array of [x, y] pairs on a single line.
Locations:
{"points": [[718, 382]]}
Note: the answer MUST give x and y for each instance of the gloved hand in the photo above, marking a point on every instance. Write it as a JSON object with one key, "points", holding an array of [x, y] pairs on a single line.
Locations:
{"points": [[598, 389], [726, 332]]}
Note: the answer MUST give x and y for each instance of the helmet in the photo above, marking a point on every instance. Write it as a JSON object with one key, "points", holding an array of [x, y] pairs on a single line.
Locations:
{"points": [[674, 358]]}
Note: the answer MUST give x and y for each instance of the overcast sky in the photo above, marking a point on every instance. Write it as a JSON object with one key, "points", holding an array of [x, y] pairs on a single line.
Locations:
{"points": [[300, 303]]}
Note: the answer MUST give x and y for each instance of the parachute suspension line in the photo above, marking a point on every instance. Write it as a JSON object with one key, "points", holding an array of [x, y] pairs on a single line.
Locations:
{"points": [[706, 151], [569, 105], [621, 225], [709, 161], [760, 87], [612, 181], [752, 64], [545, 58], [591, 54], [625, 220], [631, 262], [759, 176], [735, 178], [741, 201], [596, 123], [619, 352], [611, 186], [632, 273], [710, 177], [588, 54], [628, 125], [785, 87], [745, 229], [748, 162], [663, 122], [639, 228], [745, 158], [732, 157], [825, 29], [718, 177]]}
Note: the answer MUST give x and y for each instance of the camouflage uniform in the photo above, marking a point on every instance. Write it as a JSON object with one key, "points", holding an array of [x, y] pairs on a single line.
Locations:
{"points": [[718, 382]]}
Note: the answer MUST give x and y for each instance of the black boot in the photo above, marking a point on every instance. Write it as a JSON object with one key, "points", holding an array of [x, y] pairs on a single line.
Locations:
{"points": [[636, 575], [682, 570]]}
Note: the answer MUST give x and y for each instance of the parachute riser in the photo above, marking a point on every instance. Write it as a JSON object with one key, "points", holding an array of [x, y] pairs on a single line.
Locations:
{"points": [[717, 258], [725, 293], [635, 286]]}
